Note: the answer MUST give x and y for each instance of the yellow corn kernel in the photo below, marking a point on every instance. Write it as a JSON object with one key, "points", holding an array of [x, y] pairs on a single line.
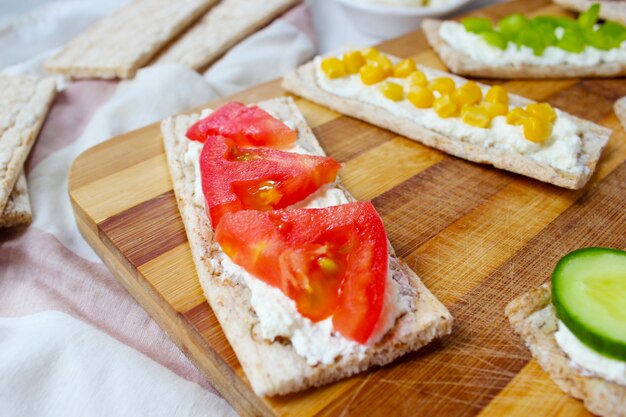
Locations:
{"points": [[475, 115], [474, 90], [417, 78], [372, 73], [353, 61], [404, 68], [495, 109], [537, 130], [542, 111], [444, 85], [445, 106], [497, 94], [370, 53], [393, 91], [333, 67], [384, 63], [517, 116], [421, 97], [468, 93]]}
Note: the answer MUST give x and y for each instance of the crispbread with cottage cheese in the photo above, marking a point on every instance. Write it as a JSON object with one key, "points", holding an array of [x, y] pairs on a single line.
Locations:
{"points": [[17, 210], [461, 63], [222, 27], [274, 368], [24, 103], [119, 44], [533, 318], [610, 10], [302, 81]]}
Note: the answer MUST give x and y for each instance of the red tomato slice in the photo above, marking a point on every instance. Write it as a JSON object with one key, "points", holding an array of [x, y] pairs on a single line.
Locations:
{"points": [[236, 178], [246, 126], [330, 261]]}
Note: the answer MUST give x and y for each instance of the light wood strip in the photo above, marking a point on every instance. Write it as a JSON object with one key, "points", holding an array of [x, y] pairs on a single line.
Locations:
{"points": [[173, 275], [532, 389], [382, 168], [124, 189]]}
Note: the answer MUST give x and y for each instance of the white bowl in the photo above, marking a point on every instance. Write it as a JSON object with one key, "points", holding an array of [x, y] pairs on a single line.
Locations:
{"points": [[389, 21]]}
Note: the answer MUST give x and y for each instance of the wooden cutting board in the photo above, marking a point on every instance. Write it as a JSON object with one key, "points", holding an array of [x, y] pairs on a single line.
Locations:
{"points": [[477, 236]]}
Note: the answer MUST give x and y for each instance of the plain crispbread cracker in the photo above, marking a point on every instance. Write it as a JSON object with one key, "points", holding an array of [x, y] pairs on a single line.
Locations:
{"points": [[222, 27], [273, 367], [24, 103], [17, 210], [609, 10], [303, 82], [533, 318], [620, 111], [119, 44], [461, 63]]}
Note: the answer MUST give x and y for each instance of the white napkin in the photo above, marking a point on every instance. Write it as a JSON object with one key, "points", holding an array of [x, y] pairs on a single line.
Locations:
{"points": [[54, 365]]}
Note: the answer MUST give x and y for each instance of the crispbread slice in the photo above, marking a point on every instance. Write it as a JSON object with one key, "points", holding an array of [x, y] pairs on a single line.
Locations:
{"points": [[609, 10], [24, 103], [620, 111], [303, 82], [222, 27], [273, 367], [17, 211], [119, 44], [533, 318], [461, 63]]}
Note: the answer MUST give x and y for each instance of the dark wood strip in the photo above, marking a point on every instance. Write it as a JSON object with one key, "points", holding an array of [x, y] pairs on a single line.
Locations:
{"points": [[147, 230], [421, 207], [205, 322], [461, 374], [355, 136]]}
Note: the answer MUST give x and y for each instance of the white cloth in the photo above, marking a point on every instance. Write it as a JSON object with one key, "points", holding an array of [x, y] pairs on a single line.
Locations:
{"points": [[54, 365]]}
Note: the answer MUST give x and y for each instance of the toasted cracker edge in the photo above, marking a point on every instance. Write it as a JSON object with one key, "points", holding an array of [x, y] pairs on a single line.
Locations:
{"points": [[302, 81], [271, 367], [17, 211], [224, 25], [85, 57], [461, 63], [533, 318]]}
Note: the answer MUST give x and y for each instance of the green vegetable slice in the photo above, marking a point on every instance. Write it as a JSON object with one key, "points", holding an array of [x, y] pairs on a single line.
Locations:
{"points": [[539, 32], [495, 38], [589, 295], [572, 41], [512, 24], [589, 17], [477, 24]]}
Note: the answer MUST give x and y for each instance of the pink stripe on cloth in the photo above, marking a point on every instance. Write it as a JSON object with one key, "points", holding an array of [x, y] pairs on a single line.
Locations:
{"points": [[70, 112], [38, 273]]}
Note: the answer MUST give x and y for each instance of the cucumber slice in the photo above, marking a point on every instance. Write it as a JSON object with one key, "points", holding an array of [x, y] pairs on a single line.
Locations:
{"points": [[589, 295]]}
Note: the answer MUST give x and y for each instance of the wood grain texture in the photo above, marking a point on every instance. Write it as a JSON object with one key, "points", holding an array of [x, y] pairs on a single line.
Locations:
{"points": [[477, 237]]}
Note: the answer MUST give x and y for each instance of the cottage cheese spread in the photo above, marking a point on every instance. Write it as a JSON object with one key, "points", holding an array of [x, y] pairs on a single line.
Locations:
{"points": [[587, 359], [277, 314], [560, 151], [474, 45]]}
